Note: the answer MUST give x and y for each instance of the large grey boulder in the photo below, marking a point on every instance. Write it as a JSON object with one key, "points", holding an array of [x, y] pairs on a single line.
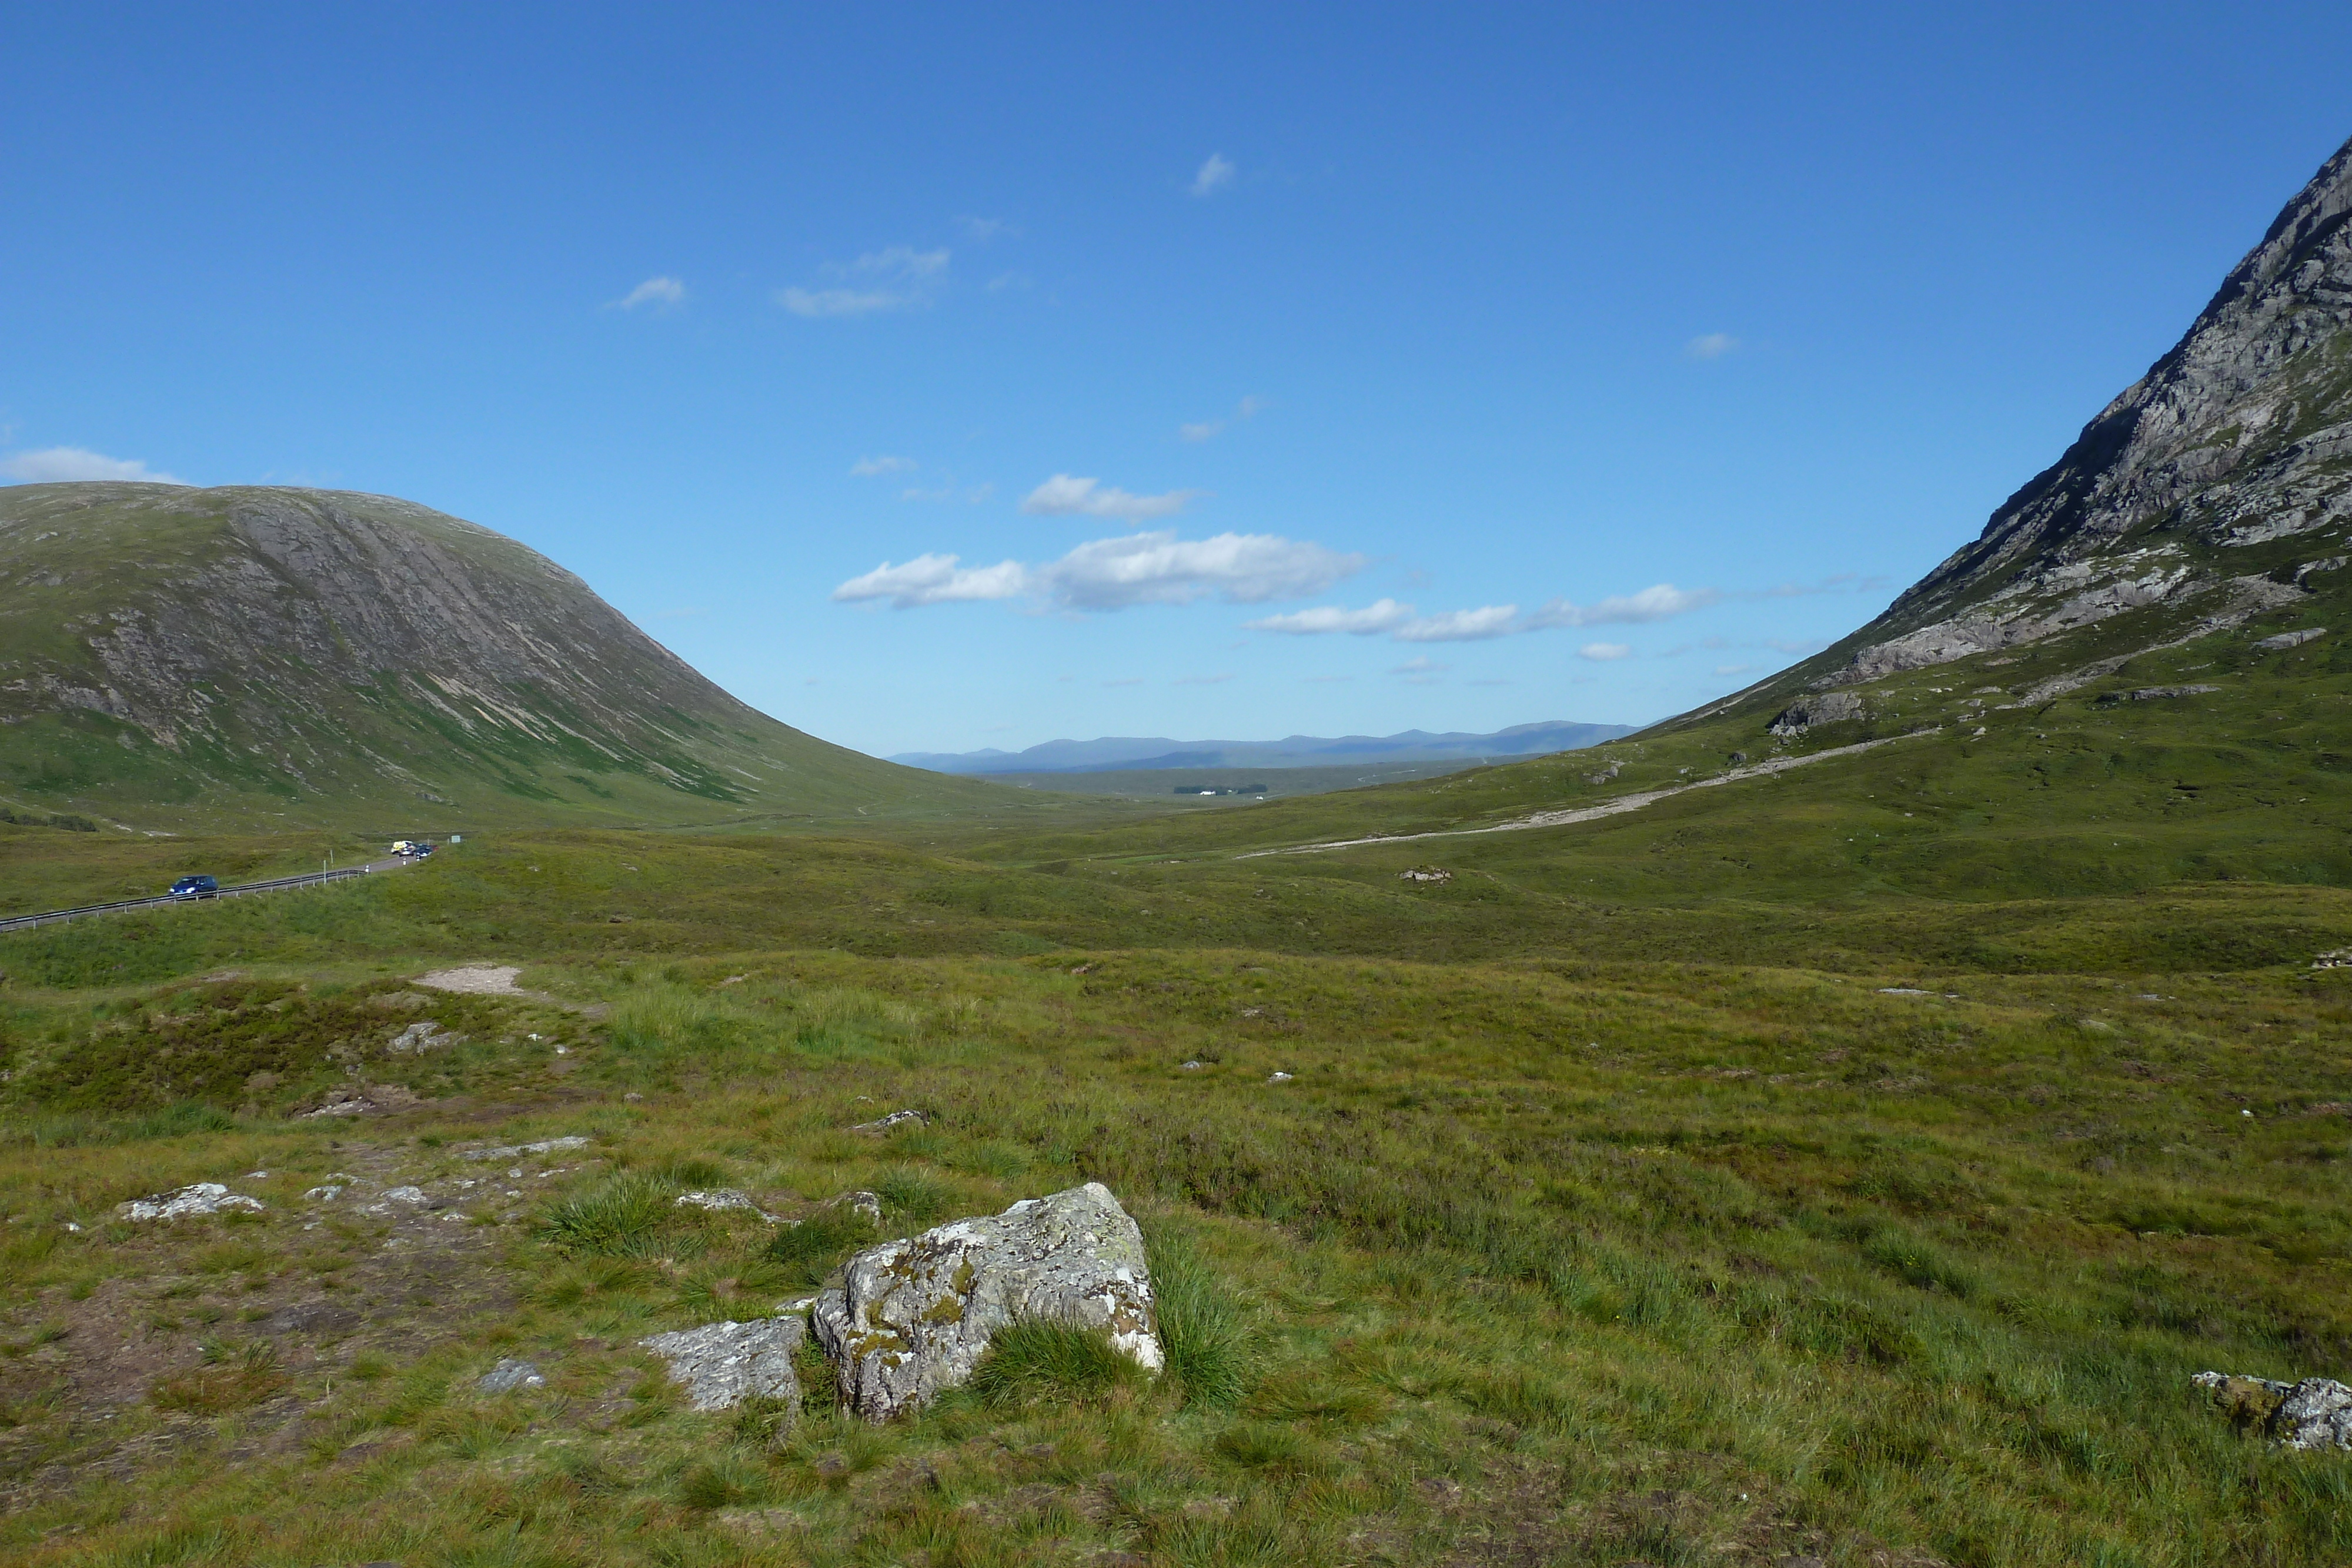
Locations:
{"points": [[722, 1365], [913, 1318]]}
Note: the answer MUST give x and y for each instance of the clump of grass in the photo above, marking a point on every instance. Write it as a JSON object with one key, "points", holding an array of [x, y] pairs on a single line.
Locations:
{"points": [[1208, 1337], [628, 1216], [722, 1483], [230, 1380], [1036, 1359], [910, 1197], [810, 1250]]}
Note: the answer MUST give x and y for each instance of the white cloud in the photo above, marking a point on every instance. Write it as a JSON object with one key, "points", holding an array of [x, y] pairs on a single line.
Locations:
{"points": [[1386, 615], [1248, 408], [1461, 625], [1808, 645], [1733, 669], [1066, 496], [1655, 603], [944, 493], [1118, 573], [1604, 652], [980, 231], [897, 277], [1710, 346], [661, 293], [867, 467], [934, 579], [64, 465], [1418, 664], [1160, 569], [1202, 680], [1214, 175]]}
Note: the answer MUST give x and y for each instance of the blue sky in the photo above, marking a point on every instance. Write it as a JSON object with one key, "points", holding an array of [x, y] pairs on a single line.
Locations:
{"points": [[1263, 369]]}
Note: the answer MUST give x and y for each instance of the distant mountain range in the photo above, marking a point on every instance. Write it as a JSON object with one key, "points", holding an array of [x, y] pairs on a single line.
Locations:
{"points": [[1127, 752]]}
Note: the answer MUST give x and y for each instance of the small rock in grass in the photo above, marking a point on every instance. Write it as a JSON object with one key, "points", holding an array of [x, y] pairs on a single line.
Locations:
{"points": [[508, 1151], [408, 1196], [869, 1205], [2316, 1413], [203, 1198], [722, 1365], [1194, 1066], [1279, 1078], [327, 1194], [912, 1318], [722, 1201], [510, 1374], [890, 1123], [420, 1037]]}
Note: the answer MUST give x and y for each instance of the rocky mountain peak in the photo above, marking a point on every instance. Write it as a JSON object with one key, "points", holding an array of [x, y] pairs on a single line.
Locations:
{"points": [[2212, 486]]}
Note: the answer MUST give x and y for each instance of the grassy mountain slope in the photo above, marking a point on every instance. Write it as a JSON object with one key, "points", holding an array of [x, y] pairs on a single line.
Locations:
{"points": [[250, 656]]}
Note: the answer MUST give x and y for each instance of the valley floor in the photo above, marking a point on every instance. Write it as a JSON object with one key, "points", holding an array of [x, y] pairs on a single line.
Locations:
{"points": [[1610, 1234]]}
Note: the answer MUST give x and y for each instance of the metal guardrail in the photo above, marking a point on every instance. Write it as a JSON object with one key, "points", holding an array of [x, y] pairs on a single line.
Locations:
{"points": [[308, 879]]}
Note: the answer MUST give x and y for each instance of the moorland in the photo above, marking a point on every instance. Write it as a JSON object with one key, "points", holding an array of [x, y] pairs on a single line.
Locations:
{"points": [[1832, 1126]]}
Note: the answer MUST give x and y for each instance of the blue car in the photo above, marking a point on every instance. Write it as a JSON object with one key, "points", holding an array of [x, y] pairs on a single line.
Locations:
{"points": [[196, 887]]}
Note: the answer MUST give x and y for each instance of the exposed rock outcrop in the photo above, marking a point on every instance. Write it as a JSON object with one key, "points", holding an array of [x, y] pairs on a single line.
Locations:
{"points": [[2316, 1413], [189, 1202], [1819, 707], [913, 1318], [722, 1365]]}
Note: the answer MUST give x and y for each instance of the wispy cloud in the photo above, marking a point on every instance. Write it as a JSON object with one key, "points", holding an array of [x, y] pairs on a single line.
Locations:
{"points": [[661, 293], [1419, 664], [1202, 680], [1803, 645], [980, 231], [1604, 652], [1733, 669], [1066, 496], [1461, 625], [1118, 573], [1160, 569], [64, 464], [934, 579], [1214, 175], [1386, 615], [1655, 603], [1248, 408], [897, 277], [867, 467], [1400, 622], [1710, 346]]}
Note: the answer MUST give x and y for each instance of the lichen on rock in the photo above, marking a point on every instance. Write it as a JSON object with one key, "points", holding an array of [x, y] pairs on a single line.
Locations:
{"points": [[912, 1318], [722, 1365]]}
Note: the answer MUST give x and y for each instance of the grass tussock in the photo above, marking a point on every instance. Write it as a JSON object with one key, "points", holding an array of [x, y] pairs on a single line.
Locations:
{"points": [[1036, 1360]]}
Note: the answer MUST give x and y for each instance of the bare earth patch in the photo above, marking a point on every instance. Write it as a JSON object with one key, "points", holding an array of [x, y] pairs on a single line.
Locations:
{"points": [[479, 980]]}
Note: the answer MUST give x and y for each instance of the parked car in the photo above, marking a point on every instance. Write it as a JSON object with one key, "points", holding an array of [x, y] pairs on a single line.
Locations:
{"points": [[196, 887]]}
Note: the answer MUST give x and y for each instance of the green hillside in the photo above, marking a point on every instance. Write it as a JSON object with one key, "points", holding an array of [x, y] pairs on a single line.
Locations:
{"points": [[248, 657]]}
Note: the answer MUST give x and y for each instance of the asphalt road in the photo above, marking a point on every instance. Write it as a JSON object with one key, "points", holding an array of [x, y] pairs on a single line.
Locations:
{"points": [[309, 879]]}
